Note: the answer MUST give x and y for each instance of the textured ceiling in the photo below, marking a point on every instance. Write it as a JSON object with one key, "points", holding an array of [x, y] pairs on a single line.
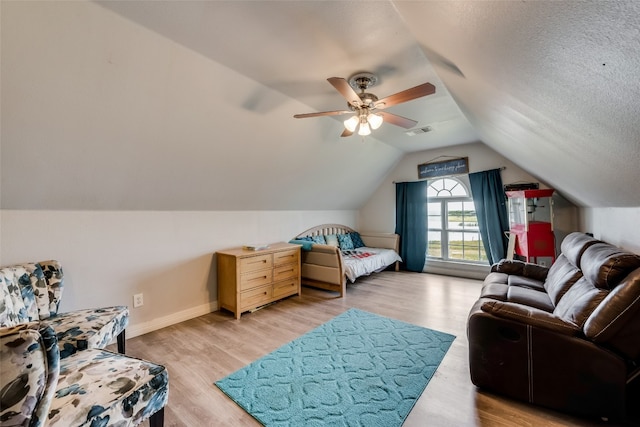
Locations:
{"points": [[126, 97], [553, 86]]}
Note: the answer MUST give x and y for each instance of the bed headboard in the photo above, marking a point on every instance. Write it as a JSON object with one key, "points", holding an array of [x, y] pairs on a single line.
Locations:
{"points": [[326, 229]]}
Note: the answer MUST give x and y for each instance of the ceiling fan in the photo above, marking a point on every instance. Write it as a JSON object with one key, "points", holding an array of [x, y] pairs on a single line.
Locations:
{"points": [[365, 105]]}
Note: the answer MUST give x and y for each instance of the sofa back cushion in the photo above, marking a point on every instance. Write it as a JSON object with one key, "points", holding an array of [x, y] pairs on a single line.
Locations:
{"points": [[574, 245], [606, 265], [561, 276], [616, 320], [577, 304]]}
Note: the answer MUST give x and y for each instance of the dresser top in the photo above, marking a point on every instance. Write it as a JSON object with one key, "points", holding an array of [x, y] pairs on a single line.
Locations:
{"points": [[273, 247]]}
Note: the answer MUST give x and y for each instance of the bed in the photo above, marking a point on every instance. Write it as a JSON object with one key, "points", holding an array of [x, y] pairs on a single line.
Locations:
{"points": [[329, 261]]}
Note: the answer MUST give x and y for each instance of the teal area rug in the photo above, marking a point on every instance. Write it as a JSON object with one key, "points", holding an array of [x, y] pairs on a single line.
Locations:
{"points": [[358, 369]]}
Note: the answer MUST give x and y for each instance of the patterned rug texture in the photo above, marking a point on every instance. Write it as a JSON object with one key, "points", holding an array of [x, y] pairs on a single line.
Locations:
{"points": [[358, 369]]}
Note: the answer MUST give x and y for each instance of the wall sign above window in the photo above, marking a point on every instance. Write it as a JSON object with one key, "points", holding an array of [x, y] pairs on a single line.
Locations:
{"points": [[443, 168]]}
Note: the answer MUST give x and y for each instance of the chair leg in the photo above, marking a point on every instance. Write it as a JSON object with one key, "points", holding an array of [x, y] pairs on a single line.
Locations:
{"points": [[157, 419], [121, 339]]}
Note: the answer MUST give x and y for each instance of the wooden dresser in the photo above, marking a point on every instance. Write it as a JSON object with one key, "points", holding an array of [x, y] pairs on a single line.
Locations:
{"points": [[248, 279]]}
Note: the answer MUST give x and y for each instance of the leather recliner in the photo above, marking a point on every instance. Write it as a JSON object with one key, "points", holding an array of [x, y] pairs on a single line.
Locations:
{"points": [[565, 337]]}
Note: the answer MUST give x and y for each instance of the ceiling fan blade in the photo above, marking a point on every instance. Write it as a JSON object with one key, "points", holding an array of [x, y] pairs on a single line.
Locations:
{"points": [[322, 113], [394, 119], [406, 95], [346, 132], [346, 90]]}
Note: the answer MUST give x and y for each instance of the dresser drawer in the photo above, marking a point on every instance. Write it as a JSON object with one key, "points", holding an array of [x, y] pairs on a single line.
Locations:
{"points": [[257, 262], [287, 287], [256, 297], [255, 278], [285, 272], [286, 257]]}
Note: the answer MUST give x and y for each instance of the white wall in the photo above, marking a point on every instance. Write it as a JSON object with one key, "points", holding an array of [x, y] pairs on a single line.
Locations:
{"points": [[618, 226], [101, 113], [379, 212], [108, 256]]}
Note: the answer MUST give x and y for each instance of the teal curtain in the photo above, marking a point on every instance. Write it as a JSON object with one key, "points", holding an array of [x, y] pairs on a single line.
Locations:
{"points": [[411, 223], [491, 209]]}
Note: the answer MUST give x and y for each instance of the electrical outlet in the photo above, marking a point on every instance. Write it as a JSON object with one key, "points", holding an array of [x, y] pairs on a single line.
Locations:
{"points": [[138, 301]]}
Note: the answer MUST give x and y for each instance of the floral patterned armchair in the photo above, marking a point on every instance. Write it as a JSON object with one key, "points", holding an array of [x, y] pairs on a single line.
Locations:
{"points": [[30, 292], [53, 369]]}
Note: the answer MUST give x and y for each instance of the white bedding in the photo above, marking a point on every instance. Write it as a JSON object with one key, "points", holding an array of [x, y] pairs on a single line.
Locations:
{"points": [[364, 261]]}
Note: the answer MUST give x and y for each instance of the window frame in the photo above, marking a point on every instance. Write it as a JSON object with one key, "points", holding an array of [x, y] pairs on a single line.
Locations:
{"points": [[443, 229]]}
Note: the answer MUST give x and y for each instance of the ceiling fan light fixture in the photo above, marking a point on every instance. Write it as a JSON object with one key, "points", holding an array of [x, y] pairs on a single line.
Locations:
{"points": [[375, 120], [364, 129], [351, 123]]}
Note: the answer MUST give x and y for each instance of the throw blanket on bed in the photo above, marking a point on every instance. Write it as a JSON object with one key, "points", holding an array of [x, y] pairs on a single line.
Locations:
{"points": [[364, 261]]}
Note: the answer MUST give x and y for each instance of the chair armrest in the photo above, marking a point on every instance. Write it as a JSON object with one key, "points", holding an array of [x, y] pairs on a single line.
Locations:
{"points": [[530, 316], [30, 365], [521, 268]]}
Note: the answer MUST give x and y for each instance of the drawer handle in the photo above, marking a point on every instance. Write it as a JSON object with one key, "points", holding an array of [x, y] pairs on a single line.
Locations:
{"points": [[259, 278], [286, 271]]}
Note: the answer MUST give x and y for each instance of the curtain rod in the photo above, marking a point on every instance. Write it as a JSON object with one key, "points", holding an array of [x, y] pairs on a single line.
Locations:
{"points": [[444, 176]]}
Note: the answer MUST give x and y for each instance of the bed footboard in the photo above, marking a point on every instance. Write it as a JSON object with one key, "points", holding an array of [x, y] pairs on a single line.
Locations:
{"points": [[322, 268]]}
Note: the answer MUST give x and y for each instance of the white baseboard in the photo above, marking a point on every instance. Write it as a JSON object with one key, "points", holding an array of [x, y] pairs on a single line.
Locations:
{"points": [[172, 319], [466, 270]]}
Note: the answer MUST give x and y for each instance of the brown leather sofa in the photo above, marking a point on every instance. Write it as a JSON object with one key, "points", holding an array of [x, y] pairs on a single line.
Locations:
{"points": [[565, 337]]}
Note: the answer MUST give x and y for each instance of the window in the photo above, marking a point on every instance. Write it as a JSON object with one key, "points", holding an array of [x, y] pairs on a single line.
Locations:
{"points": [[453, 233]]}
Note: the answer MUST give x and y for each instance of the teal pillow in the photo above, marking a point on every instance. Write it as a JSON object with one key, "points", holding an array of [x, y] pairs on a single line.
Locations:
{"points": [[306, 244], [332, 240], [345, 242], [304, 238], [319, 239], [357, 240]]}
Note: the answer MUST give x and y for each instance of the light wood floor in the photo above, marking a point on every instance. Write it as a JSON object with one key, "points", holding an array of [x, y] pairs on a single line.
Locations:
{"points": [[201, 351]]}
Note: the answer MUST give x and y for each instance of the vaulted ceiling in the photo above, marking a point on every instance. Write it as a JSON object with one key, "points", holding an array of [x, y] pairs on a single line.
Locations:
{"points": [[552, 86]]}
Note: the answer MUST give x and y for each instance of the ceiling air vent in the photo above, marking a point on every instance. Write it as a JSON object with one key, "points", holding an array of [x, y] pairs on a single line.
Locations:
{"points": [[417, 131]]}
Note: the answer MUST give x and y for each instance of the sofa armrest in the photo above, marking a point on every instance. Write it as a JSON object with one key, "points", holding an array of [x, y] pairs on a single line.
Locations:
{"points": [[30, 366], [325, 249], [530, 316], [521, 268]]}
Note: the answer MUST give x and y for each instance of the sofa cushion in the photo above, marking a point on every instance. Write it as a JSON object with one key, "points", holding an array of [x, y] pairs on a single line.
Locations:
{"points": [[525, 282], [577, 304], [562, 275], [574, 245], [530, 297], [621, 308], [606, 265], [495, 277], [497, 291]]}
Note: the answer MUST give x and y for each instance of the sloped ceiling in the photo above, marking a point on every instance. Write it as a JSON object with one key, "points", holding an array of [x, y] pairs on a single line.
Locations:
{"points": [[191, 103]]}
